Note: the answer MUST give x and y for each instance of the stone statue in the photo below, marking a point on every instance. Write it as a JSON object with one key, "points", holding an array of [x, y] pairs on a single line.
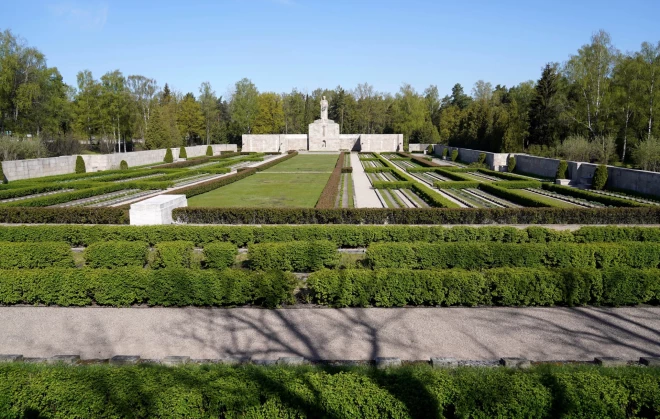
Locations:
{"points": [[324, 109]]}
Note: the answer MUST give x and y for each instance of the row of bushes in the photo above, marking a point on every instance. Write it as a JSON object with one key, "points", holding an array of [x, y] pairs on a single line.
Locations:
{"points": [[494, 255], [60, 198], [494, 287], [134, 285], [330, 192], [73, 215], [456, 184], [347, 236], [592, 196], [213, 391], [643, 215], [515, 197], [297, 256], [30, 190]]}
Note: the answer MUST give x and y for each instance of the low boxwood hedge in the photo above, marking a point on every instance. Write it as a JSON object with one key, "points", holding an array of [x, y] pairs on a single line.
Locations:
{"points": [[298, 256], [592, 196], [212, 391], [330, 192], [113, 254], [173, 254], [29, 255], [220, 255], [493, 287], [71, 215], [491, 255]]}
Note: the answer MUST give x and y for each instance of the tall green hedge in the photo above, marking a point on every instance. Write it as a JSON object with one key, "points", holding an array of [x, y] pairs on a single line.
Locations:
{"points": [[220, 255], [80, 165], [511, 163], [114, 254], [31, 255], [135, 285], [173, 254], [600, 177], [213, 391], [561, 170], [493, 287], [298, 256], [454, 155], [491, 255]]}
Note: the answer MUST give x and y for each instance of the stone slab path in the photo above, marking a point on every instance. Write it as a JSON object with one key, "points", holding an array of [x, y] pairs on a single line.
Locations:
{"points": [[365, 197], [339, 334]]}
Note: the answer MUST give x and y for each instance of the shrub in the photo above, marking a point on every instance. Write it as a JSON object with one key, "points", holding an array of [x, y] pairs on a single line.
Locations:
{"points": [[113, 254], [123, 165], [511, 163], [561, 170], [600, 177], [330, 192], [482, 158], [220, 255], [183, 154], [445, 152], [72, 215], [29, 255], [2, 175], [169, 158], [429, 149], [459, 184], [590, 395], [454, 155], [174, 254], [80, 165], [209, 151], [299, 256], [592, 196]]}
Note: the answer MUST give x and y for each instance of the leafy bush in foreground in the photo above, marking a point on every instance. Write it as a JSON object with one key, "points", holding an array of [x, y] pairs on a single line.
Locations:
{"points": [[30, 255], [298, 256], [113, 254]]}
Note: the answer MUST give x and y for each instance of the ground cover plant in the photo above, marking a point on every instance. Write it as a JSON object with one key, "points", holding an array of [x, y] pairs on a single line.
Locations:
{"points": [[418, 391]]}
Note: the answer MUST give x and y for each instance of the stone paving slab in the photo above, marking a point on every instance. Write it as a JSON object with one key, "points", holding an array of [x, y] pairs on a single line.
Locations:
{"points": [[541, 334], [365, 196]]}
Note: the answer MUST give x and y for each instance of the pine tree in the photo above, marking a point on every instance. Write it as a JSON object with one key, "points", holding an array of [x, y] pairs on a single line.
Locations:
{"points": [[543, 113], [80, 165]]}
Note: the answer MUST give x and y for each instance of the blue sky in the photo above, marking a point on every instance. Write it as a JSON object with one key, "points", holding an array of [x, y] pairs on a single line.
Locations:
{"points": [[281, 44]]}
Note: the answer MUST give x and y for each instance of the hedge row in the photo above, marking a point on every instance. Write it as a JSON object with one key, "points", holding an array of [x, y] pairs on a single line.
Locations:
{"points": [[591, 196], [494, 287], [330, 192], [60, 198], [456, 184], [31, 190], [298, 256], [341, 235], [503, 175], [186, 163], [517, 184], [213, 391], [494, 255], [135, 285], [72, 215], [643, 215], [214, 184], [379, 169], [392, 184], [29, 255], [513, 196]]}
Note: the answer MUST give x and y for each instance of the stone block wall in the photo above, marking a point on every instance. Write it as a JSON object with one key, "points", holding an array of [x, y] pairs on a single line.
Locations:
{"points": [[418, 147], [495, 161], [349, 142], [378, 143], [33, 168], [539, 166]]}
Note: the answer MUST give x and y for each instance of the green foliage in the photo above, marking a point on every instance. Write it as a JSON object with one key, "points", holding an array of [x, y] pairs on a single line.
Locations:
{"points": [[454, 155], [113, 254], [123, 165], [392, 185], [209, 151], [513, 196], [169, 158], [330, 192], [298, 256], [183, 154], [482, 158], [29, 255], [80, 165], [511, 163], [561, 170], [445, 152], [174, 254], [591, 196], [219, 255], [503, 175], [492, 255], [71, 215], [517, 184], [460, 184], [429, 149], [600, 177]]}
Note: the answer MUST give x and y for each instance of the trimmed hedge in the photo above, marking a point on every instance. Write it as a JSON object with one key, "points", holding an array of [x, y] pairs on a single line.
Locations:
{"points": [[562, 169], [513, 196], [123, 165], [511, 163], [458, 184], [60, 198], [31, 190], [29, 255], [169, 158], [600, 177], [503, 175], [494, 255], [183, 154], [330, 192], [174, 254], [80, 165], [392, 184], [135, 285], [186, 163], [592, 196], [220, 255], [493, 287], [643, 215], [209, 151], [298, 256], [454, 155], [73, 215], [212, 391], [114, 254], [517, 184]]}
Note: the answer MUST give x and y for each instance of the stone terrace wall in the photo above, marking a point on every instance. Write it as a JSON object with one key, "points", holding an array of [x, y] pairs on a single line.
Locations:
{"points": [[539, 166], [418, 147], [33, 168], [381, 142], [496, 161]]}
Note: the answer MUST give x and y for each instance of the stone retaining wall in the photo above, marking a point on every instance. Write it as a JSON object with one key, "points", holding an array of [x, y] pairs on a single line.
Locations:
{"points": [[418, 147], [265, 143], [34, 168], [496, 161]]}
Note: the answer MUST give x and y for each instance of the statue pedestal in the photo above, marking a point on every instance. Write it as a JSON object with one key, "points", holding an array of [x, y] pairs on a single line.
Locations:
{"points": [[324, 135]]}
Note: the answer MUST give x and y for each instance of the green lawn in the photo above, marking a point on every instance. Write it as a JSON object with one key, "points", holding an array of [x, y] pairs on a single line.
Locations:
{"points": [[552, 202], [307, 163], [267, 190]]}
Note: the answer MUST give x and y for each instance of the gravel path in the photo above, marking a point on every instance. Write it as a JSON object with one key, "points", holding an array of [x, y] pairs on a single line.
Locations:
{"points": [[319, 333], [365, 196]]}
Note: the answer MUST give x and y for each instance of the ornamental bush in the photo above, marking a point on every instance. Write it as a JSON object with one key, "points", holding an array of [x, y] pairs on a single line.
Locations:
{"points": [[182, 153], [123, 165], [169, 158], [511, 163], [80, 165], [220, 255], [429, 149], [298, 256], [173, 254], [482, 158], [445, 152], [31, 255], [454, 155], [209, 151], [600, 177], [113, 254], [561, 170]]}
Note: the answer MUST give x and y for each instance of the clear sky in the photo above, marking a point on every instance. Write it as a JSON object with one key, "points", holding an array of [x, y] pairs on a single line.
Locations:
{"points": [[281, 44]]}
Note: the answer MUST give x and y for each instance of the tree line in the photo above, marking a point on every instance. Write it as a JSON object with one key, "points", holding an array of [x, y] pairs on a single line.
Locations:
{"points": [[600, 105]]}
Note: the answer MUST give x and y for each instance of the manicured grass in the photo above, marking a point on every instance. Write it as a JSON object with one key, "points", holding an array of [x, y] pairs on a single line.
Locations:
{"points": [[307, 163], [267, 190], [551, 202]]}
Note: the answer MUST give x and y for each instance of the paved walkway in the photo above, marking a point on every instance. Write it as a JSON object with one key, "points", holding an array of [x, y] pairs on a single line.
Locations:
{"points": [[365, 197], [408, 333]]}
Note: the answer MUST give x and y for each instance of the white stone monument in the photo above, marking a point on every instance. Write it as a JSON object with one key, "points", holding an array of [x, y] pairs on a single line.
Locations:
{"points": [[324, 132], [156, 210]]}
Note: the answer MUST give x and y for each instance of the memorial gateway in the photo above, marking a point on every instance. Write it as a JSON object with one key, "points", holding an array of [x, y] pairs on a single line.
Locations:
{"points": [[323, 135]]}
